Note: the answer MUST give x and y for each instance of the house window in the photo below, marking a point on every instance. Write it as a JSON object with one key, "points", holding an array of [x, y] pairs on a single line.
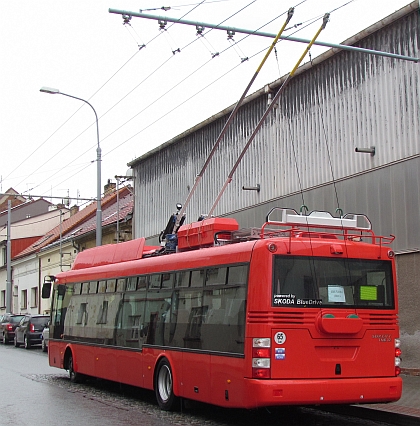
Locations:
{"points": [[3, 299], [3, 259], [34, 297], [24, 299]]}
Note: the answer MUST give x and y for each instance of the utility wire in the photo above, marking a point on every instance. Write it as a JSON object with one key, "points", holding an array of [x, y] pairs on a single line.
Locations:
{"points": [[66, 121], [142, 82], [183, 80], [122, 99], [100, 88]]}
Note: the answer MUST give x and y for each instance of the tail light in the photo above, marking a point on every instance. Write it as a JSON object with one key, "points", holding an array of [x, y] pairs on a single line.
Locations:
{"points": [[9, 327], [261, 354], [31, 328], [398, 353]]}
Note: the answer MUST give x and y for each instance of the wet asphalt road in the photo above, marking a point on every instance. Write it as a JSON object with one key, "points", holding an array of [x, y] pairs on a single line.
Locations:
{"points": [[32, 393]]}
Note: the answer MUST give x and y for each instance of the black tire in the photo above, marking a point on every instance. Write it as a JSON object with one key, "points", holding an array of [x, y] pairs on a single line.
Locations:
{"points": [[164, 389], [74, 376], [26, 343], [16, 342]]}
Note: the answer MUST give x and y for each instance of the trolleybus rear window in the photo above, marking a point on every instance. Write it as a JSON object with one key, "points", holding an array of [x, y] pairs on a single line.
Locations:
{"points": [[309, 282]]}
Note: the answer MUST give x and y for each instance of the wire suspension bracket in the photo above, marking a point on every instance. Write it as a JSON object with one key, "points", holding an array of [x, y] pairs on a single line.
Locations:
{"points": [[263, 34]]}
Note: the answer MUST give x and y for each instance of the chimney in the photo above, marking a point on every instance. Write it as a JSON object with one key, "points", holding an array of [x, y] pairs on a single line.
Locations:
{"points": [[73, 210], [109, 187]]}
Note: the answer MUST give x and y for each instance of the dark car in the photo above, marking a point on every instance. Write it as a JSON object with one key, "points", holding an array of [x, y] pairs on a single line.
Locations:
{"points": [[29, 330], [8, 323]]}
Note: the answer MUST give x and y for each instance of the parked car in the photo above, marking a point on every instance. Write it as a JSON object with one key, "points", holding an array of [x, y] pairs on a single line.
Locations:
{"points": [[29, 330], [45, 337], [8, 323]]}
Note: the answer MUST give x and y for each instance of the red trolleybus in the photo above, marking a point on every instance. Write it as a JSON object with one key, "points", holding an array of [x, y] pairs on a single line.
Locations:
{"points": [[301, 311]]}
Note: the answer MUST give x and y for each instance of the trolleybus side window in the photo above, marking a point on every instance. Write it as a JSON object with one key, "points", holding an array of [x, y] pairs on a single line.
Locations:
{"points": [[132, 283], [93, 287], [216, 276], [110, 285], [155, 281], [182, 279], [129, 329], [103, 313], [61, 298], [85, 288], [120, 285], [102, 286], [166, 313], [142, 282], [224, 325], [82, 314], [190, 302], [168, 280], [158, 312], [238, 274], [197, 278]]}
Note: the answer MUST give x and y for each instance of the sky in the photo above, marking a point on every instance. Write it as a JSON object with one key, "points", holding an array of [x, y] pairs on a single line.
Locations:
{"points": [[143, 96]]}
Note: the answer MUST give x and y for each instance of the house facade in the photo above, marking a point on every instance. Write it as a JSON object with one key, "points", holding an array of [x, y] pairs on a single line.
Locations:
{"points": [[56, 250]]}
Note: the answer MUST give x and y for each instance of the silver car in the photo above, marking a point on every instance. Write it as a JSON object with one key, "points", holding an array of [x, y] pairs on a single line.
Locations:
{"points": [[45, 337]]}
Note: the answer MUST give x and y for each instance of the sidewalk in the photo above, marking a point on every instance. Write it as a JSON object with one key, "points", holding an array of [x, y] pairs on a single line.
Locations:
{"points": [[409, 404], [405, 412]]}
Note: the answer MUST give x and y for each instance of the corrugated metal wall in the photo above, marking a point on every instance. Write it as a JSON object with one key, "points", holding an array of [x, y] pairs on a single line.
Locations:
{"points": [[348, 100]]}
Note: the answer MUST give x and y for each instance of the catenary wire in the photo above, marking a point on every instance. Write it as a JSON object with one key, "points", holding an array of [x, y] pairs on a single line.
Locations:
{"points": [[77, 110], [160, 66], [119, 101], [58, 152]]}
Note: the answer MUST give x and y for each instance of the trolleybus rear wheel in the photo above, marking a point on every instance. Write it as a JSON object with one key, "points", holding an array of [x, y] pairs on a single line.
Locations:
{"points": [[164, 386]]}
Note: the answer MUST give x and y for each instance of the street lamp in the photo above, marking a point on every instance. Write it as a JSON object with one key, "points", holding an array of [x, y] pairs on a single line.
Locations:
{"points": [[98, 165]]}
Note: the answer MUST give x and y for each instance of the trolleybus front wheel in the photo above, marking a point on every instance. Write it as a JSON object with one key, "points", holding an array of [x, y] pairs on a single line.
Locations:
{"points": [[164, 386], [74, 376]]}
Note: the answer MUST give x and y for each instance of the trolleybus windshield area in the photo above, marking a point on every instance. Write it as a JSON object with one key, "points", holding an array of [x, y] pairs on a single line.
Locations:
{"points": [[308, 282]]}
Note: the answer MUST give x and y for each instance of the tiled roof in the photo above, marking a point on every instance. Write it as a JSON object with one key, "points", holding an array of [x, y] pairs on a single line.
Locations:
{"points": [[85, 220], [109, 216]]}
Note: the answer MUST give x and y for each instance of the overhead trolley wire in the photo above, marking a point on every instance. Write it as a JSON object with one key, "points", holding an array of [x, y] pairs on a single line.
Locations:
{"points": [[172, 88], [136, 134], [176, 107], [105, 112], [65, 122], [184, 79], [229, 179], [230, 119], [267, 111], [100, 88]]}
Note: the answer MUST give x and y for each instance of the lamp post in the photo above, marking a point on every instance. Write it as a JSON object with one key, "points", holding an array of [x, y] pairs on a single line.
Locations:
{"points": [[118, 202], [98, 165]]}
